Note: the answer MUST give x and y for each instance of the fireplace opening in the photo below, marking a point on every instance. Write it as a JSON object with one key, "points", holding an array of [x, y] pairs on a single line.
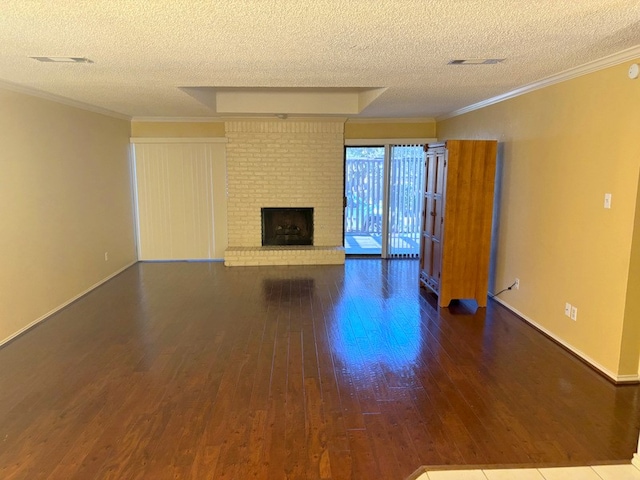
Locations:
{"points": [[287, 226]]}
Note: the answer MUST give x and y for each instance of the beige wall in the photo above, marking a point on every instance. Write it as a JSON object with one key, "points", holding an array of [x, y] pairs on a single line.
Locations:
{"points": [[562, 148], [65, 192], [354, 129], [177, 129]]}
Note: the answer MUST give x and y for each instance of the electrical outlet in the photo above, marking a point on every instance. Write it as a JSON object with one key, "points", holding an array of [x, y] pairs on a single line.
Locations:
{"points": [[106, 256], [516, 284], [574, 313], [567, 309]]}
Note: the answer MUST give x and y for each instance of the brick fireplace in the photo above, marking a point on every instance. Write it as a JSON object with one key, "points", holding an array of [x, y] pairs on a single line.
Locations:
{"points": [[287, 226], [287, 164]]}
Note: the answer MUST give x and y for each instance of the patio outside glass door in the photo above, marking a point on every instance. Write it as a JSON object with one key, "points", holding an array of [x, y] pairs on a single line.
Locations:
{"points": [[383, 201]]}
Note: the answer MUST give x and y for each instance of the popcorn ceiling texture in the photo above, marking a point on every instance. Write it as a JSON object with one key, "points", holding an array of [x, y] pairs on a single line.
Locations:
{"points": [[284, 164], [144, 50]]}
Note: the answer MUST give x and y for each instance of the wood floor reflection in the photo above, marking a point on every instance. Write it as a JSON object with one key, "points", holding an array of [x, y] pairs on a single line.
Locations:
{"points": [[194, 370]]}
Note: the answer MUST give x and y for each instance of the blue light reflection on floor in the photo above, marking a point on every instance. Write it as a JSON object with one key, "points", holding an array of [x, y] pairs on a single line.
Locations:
{"points": [[374, 328]]}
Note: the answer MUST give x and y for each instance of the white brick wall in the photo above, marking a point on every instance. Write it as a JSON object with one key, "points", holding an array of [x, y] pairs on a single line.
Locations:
{"points": [[294, 255], [284, 163]]}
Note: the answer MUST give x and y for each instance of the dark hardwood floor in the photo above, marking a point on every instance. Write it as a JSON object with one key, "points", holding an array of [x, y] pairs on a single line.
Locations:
{"points": [[194, 370]]}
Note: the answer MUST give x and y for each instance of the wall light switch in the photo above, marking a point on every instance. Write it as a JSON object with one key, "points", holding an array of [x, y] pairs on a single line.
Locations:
{"points": [[607, 200], [567, 309]]}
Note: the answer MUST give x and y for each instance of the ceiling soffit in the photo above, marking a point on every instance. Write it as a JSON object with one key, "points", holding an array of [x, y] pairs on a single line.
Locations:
{"points": [[296, 101]]}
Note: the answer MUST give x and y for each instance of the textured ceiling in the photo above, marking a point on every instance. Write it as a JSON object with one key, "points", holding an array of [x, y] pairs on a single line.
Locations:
{"points": [[145, 51]]}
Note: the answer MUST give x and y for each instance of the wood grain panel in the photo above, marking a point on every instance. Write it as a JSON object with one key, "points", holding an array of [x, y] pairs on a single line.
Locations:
{"points": [[459, 269]]}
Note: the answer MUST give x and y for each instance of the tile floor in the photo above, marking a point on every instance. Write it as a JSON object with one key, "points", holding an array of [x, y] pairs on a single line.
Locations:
{"points": [[600, 472]]}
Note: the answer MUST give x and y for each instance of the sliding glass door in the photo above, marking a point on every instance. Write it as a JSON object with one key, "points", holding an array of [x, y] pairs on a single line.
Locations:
{"points": [[406, 182], [364, 177], [383, 200]]}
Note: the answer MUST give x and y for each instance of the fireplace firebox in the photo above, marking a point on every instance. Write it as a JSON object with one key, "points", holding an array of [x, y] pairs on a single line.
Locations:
{"points": [[287, 226]]}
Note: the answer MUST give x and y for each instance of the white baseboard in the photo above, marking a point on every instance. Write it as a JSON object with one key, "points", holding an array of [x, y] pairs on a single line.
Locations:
{"points": [[60, 307], [605, 371]]}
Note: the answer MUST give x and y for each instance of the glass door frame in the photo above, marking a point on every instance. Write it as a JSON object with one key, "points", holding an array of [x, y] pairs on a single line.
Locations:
{"points": [[387, 143]]}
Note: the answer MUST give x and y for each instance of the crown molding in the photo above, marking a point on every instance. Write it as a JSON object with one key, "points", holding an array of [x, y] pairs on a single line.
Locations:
{"points": [[591, 67], [14, 87]]}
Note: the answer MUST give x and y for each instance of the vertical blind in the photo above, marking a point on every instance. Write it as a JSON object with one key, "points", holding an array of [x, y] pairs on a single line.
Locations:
{"points": [[180, 201], [406, 183]]}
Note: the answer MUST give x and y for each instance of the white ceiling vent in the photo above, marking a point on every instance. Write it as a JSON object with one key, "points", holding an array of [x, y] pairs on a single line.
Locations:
{"points": [[63, 59]]}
